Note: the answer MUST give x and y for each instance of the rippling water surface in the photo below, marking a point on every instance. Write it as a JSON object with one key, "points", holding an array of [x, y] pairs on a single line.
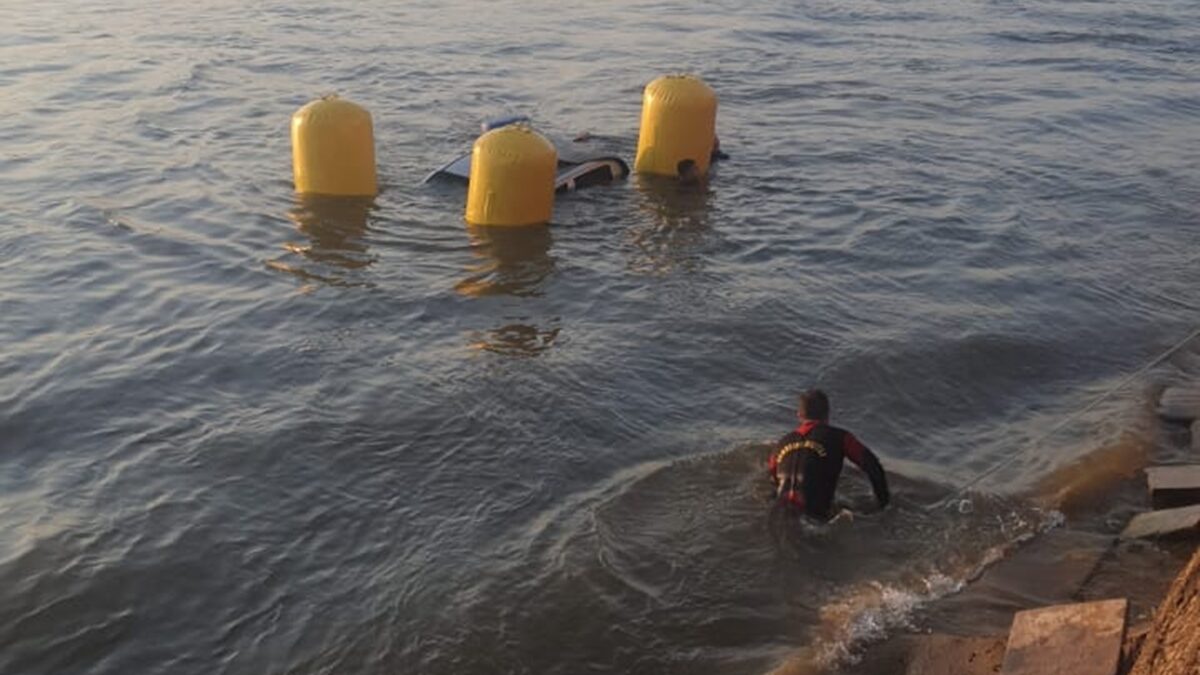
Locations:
{"points": [[242, 433]]}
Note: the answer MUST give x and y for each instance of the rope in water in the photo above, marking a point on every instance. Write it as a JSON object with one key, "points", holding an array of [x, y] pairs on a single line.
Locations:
{"points": [[1061, 425]]}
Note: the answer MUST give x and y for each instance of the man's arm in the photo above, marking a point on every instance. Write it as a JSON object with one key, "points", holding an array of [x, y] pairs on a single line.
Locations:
{"points": [[866, 460]]}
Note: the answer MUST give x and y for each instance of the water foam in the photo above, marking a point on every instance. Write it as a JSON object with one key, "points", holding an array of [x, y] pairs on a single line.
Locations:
{"points": [[871, 611]]}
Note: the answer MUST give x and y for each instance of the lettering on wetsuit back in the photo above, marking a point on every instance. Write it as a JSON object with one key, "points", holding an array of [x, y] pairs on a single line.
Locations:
{"points": [[805, 444]]}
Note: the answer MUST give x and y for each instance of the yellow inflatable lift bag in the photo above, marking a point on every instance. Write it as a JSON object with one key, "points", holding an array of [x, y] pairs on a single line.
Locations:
{"points": [[333, 149], [513, 169], [679, 122]]}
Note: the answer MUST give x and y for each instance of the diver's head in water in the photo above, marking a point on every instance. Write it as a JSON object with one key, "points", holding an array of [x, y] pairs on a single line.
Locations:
{"points": [[814, 405], [716, 151], [688, 171]]}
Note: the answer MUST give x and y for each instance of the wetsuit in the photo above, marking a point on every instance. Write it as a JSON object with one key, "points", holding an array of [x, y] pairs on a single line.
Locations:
{"points": [[806, 465]]}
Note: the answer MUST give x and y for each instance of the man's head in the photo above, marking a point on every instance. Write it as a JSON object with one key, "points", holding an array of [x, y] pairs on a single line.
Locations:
{"points": [[689, 172], [814, 405]]}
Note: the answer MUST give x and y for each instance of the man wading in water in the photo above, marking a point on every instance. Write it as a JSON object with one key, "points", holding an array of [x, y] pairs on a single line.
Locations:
{"points": [[806, 464]]}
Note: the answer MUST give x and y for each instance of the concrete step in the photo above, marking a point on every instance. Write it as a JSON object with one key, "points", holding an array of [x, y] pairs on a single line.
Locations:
{"points": [[1180, 522], [1081, 639], [1174, 486], [1048, 570], [940, 654], [1180, 404]]}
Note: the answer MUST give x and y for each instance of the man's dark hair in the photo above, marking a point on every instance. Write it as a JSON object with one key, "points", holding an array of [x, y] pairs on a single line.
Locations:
{"points": [[814, 405]]}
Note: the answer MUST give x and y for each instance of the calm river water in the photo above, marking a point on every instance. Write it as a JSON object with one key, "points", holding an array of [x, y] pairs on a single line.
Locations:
{"points": [[245, 434]]}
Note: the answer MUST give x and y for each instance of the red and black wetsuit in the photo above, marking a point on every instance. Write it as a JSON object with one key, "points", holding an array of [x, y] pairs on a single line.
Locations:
{"points": [[806, 465]]}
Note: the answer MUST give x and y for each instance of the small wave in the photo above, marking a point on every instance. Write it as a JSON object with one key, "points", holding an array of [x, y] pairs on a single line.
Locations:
{"points": [[866, 614], [869, 611], [1110, 40]]}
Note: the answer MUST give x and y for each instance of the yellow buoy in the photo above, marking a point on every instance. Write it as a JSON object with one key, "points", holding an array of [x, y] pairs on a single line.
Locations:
{"points": [[333, 149], [679, 122], [512, 178]]}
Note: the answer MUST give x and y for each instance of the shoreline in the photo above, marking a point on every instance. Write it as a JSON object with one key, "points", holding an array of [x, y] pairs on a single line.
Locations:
{"points": [[1079, 566], [1162, 632]]}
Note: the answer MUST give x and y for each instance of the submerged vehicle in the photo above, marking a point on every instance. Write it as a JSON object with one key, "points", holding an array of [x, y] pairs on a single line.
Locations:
{"points": [[573, 173]]}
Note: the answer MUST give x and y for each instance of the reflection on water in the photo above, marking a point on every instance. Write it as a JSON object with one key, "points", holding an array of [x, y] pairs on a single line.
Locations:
{"points": [[516, 339], [336, 229], [514, 261], [677, 229]]}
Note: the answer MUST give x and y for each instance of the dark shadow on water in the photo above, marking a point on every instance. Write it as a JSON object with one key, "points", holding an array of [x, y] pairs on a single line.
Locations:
{"points": [[690, 559], [512, 261], [675, 229]]}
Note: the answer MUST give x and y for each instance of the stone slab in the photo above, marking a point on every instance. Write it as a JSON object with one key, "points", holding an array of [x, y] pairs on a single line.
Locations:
{"points": [[1081, 639], [1048, 570], [1174, 486], [952, 655], [1183, 521], [1179, 404]]}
